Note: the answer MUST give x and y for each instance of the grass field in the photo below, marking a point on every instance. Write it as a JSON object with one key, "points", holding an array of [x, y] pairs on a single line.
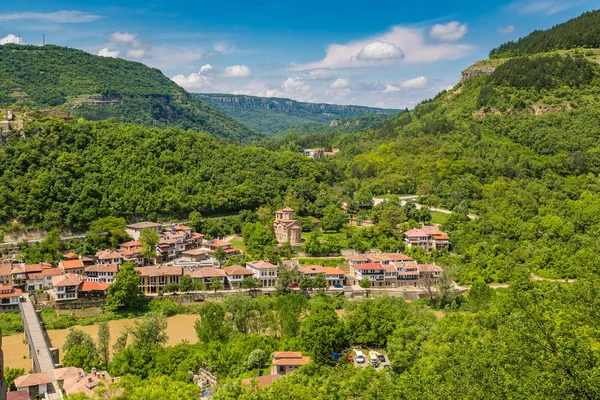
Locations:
{"points": [[439, 218], [238, 243]]}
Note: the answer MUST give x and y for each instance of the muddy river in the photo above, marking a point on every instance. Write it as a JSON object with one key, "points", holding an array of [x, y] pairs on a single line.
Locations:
{"points": [[181, 327]]}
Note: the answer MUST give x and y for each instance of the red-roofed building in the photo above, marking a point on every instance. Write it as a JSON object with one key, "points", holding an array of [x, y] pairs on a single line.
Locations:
{"points": [[263, 271], [18, 395], [106, 257], [92, 290], [65, 286], [72, 266], [235, 275], [6, 273], [41, 280], [206, 275], [285, 362], [101, 273], [375, 272], [260, 381], [37, 385], [9, 298], [428, 237], [70, 256], [154, 279]]}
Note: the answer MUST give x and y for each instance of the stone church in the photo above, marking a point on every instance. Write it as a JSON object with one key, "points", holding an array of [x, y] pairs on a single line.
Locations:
{"points": [[286, 228]]}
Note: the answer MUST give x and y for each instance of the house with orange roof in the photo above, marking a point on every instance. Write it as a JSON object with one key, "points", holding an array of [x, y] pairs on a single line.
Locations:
{"points": [[70, 256], [18, 395], [41, 280], [10, 297], [285, 362], [213, 244], [92, 290], [264, 272], [235, 275], [65, 287], [72, 266], [428, 237], [6, 273], [375, 272], [37, 385], [260, 381], [135, 230], [105, 257]]}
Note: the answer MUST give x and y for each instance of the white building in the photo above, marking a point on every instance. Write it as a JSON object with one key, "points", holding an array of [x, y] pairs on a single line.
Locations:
{"points": [[263, 271]]}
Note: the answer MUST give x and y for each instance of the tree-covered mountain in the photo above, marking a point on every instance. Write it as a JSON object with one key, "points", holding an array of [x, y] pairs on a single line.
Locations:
{"points": [[271, 115], [98, 88], [583, 31], [519, 147]]}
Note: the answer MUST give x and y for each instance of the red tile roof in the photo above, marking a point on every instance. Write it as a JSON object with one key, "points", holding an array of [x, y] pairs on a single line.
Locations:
{"points": [[107, 255], [27, 380], [206, 272], [333, 271], [287, 354], [102, 268], [87, 286], [261, 381], [71, 256], [236, 270], [292, 361], [216, 243], [359, 258], [15, 292], [71, 264], [160, 271], [369, 266], [261, 265], [18, 395], [66, 280]]}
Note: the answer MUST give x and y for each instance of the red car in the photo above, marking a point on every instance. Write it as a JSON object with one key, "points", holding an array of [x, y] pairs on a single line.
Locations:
{"points": [[351, 359]]}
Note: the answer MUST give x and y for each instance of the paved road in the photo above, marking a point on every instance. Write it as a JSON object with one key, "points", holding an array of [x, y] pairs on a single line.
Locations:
{"points": [[404, 200], [36, 336]]}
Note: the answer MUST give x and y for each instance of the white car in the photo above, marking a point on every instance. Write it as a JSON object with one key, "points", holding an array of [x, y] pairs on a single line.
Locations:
{"points": [[360, 357]]}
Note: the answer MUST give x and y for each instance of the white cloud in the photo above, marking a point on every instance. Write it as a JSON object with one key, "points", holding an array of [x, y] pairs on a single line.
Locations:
{"points": [[197, 80], [223, 48], [237, 71], [295, 85], [340, 84], [416, 83], [136, 53], [506, 29], [448, 32], [549, 7], [10, 38], [205, 68], [390, 88], [412, 41], [65, 17], [106, 52], [376, 51], [124, 37]]}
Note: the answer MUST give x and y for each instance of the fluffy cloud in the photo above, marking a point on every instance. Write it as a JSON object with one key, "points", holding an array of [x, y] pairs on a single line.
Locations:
{"points": [[448, 32], [65, 17], [223, 48], [106, 52], [9, 39], [376, 51], [124, 37], [136, 53], [507, 29], [412, 41], [200, 80], [390, 89], [295, 85], [237, 71], [340, 84], [549, 7], [416, 83]]}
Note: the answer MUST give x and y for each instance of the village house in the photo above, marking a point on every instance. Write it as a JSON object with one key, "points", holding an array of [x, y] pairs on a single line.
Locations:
{"points": [[235, 275], [72, 266], [428, 237], [92, 290], [375, 272], [135, 230], [106, 257], [429, 274], [65, 287], [264, 272], [132, 252], [333, 276], [408, 274], [6, 274], [207, 275], [37, 385], [195, 255], [101, 273], [260, 381], [155, 278], [213, 244], [287, 229], [391, 275], [10, 297], [41, 280], [285, 362]]}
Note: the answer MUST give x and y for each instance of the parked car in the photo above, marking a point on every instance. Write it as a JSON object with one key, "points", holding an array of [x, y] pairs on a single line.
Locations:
{"points": [[387, 366], [381, 358], [360, 357], [351, 359], [373, 358]]}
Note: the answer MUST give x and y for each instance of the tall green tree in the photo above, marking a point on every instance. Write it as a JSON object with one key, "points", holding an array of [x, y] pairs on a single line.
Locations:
{"points": [[125, 293], [149, 239], [103, 343], [213, 324]]}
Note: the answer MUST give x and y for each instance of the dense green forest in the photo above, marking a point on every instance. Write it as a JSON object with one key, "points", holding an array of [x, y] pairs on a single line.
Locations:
{"points": [[98, 88], [338, 126], [68, 174], [583, 31], [272, 116]]}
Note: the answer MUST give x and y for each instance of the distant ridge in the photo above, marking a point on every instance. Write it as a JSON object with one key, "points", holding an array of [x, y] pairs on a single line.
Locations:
{"points": [[273, 115]]}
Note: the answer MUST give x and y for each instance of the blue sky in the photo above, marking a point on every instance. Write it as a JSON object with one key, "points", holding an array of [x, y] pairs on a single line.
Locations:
{"points": [[379, 53]]}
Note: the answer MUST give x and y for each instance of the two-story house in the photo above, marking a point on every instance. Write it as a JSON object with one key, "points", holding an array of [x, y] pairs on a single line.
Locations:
{"points": [[135, 230], [41, 280], [75, 266], [207, 275], [154, 279], [101, 273], [428, 237], [285, 362], [106, 257], [334, 276], [6, 274], [65, 287], [235, 275], [375, 272], [9, 298], [264, 272], [213, 244]]}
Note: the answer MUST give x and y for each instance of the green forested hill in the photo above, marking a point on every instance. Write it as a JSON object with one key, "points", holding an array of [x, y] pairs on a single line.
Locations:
{"points": [[583, 31], [519, 147], [98, 88], [67, 174], [271, 116]]}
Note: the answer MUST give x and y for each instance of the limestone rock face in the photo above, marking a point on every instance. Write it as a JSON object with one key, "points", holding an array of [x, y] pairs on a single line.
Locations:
{"points": [[475, 71]]}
